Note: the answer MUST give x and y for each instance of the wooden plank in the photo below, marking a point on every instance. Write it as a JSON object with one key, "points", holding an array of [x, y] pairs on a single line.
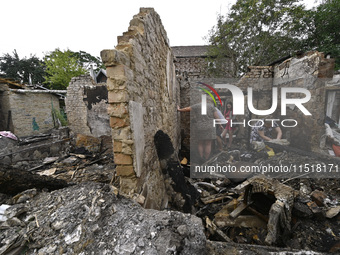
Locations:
{"points": [[214, 198], [239, 209]]}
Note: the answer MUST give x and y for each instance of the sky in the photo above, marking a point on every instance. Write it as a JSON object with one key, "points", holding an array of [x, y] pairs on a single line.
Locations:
{"points": [[36, 27]]}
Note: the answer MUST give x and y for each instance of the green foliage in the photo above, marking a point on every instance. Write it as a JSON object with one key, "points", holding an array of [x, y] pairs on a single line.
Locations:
{"points": [[326, 33], [11, 66], [61, 66], [59, 118], [258, 32], [87, 60], [56, 70]]}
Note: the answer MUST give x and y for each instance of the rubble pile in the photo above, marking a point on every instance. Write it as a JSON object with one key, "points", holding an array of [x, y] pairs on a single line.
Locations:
{"points": [[90, 219], [289, 211], [241, 214]]}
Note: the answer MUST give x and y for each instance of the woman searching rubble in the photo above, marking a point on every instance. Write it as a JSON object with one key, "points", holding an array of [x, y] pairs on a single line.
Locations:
{"points": [[203, 131], [262, 131]]}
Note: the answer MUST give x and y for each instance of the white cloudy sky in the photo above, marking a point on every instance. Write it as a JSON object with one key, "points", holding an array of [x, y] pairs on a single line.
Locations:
{"points": [[38, 26]]}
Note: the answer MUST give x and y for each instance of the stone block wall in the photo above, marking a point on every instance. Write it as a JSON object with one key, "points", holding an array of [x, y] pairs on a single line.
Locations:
{"points": [[195, 67], [260, 79], [5, 112], [143, 95], [310, 72], [190, 86], [24, 156], [196, 63], [28, 113], [86, 107]]}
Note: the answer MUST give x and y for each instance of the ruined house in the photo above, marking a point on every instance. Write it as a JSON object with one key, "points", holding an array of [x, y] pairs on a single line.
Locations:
{"points": [[143, 92], [86, 108], [310, 71], [141, 96], [25, 111], [193, 65], [32, 116]]}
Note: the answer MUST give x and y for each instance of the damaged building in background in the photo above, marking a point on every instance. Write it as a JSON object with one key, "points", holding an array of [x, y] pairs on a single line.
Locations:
{"points": [[26, 111], [310, 71], [133, 116], [29, 123], [86, 107]]}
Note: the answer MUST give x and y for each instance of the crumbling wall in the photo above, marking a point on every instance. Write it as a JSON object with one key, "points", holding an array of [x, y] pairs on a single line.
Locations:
{"points": [[142, 96], [22, 154], [5, 112], [28, 113], [188, 86], [309, 72], [86, 107], [196, 62]]}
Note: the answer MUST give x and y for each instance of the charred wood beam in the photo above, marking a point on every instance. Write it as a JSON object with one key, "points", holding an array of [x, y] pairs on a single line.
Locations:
{"points": [[38, 91], [33, 140], [35, 147], [318, 156], [13, 181], [216, 198]]}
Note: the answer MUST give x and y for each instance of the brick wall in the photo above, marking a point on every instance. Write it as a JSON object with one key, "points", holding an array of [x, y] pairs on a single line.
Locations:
{"points": [[5, 114], [86, 107], [195, 67], [309, 72], [196, 63], [142, 94], [30, 113], [189, 87]]}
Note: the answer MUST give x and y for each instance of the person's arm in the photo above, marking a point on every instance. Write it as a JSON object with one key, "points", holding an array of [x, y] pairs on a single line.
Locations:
{"points": [[186, 109], [261, 133], [216, 115], [278, 132]]}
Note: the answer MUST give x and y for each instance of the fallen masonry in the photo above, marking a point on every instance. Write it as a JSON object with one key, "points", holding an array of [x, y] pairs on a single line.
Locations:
{"points": [[87, 218], [117, 182], [229, 216]]}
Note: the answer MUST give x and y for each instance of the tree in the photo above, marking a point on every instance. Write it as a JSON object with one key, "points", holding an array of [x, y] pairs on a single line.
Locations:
{"points": [[87, 60], [22, 70], [61, 66], [258, 32], [326, 33]]}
